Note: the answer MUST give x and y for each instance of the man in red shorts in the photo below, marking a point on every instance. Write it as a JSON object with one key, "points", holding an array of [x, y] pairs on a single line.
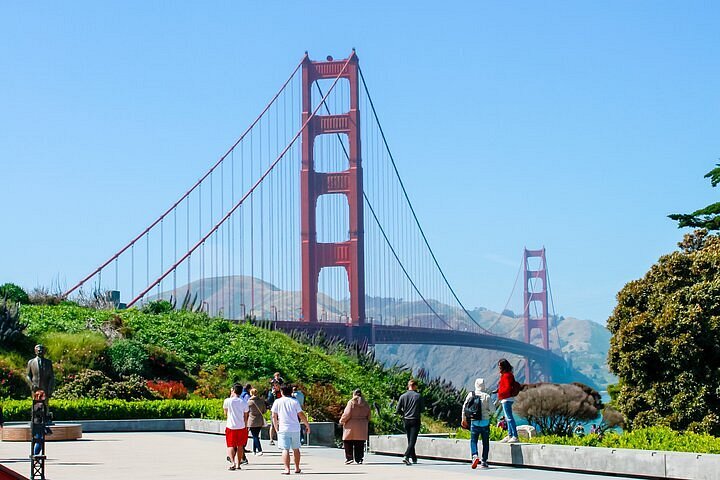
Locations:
{"points": [[236, 432]]}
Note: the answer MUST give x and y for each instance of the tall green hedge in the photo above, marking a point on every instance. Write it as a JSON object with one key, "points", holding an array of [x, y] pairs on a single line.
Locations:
{"points": [[92, 409]]}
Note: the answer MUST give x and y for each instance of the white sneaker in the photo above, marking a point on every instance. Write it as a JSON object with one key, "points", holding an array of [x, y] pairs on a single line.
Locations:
{"points": [[505, 440], [513, 440]]}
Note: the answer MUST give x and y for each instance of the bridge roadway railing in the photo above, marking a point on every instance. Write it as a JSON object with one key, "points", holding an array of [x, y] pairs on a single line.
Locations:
{"points": [[391, 334], [608, 461]]}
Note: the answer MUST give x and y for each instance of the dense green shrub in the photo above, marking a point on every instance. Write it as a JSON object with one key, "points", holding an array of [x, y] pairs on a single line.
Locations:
{"points": [[12, 382], [158, 307], [74, 352], [166, 365], [665, 338], [14, 293], [129, 357], [213, 383], [95, 384], [10, 326], [91, 409], [652, 438]]}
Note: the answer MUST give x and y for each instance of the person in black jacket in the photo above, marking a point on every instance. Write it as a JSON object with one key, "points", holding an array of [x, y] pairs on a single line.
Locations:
{"points": [[410, 406], [273, 395]]}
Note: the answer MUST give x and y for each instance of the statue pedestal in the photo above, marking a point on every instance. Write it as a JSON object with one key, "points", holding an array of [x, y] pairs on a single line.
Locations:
{"points": [[60, 431]]}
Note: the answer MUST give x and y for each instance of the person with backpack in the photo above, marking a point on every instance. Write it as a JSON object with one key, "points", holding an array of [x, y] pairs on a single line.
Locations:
{"points": [[476, 414], [507, 390]]}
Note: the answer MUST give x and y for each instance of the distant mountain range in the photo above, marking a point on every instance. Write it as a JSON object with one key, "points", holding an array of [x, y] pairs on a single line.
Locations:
{"points": [[584, 343]]}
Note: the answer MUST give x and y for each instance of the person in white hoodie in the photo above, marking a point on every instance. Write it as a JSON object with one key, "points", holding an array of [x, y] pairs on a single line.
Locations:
{"points": [[476, 414]]}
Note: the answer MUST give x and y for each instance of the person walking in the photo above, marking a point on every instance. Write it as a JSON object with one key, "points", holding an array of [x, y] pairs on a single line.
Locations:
{"points": [[410, 406], [245, 395], [236, 432], [300, 397], [286, 416], [273, 395], [476, 414], [355, 420], [256, 421], [506, 392]]}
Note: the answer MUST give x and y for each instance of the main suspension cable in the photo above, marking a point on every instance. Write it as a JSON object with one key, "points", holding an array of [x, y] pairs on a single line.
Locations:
{"points": [[247, 194], [412, 210]]}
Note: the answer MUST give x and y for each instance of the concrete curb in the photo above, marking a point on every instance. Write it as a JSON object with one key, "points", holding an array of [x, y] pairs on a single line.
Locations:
{"points": [[637, 463], [321, 433]]}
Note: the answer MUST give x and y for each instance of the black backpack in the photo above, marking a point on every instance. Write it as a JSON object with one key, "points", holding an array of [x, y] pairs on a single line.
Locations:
{"points": [[473, 408]]}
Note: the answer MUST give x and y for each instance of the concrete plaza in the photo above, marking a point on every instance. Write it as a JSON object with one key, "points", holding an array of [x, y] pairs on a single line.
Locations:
{"points": [[182, 455]]}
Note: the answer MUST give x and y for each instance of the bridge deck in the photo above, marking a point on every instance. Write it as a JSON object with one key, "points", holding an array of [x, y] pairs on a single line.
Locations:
{"points": [[185, 456]]}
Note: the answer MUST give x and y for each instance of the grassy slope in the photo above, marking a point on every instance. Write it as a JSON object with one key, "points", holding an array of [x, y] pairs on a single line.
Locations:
{"points": [[248, 353]]}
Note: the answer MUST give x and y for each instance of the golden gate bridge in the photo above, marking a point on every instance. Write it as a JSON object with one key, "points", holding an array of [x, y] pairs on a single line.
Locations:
{"points": [[305, 221]]}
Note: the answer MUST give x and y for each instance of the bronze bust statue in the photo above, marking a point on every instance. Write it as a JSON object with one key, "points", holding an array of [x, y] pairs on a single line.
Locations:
{"points": [[40, 372]]}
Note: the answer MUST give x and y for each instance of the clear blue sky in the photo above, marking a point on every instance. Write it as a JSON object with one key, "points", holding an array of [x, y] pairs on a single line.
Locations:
{"points": [[574, 125]]}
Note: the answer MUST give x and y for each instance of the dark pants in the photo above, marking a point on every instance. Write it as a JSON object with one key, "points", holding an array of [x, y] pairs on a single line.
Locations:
{"points": [[484, 433], [354, 450], [255, 432], [412, 428]]}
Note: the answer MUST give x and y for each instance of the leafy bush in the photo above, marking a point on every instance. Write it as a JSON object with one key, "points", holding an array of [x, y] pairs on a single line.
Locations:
{"points": [[653, 438], [665, 338], [167, 366], [555, 408], [12, 383], [324, 403], [158, 307], [212, 383], [91, 409], [170, 389], [14, 293], [129, 357], [74, 352], [10, 326], [95, 384]]}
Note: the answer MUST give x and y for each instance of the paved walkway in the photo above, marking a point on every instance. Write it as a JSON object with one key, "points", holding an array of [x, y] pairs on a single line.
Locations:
{"points": [[186, 456]]}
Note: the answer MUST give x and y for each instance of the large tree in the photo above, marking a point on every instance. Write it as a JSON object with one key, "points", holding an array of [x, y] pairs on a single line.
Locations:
{"points": [[708, 217], [665, 345]]}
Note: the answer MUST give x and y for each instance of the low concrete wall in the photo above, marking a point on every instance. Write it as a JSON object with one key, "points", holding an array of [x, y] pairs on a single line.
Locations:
{"points": [[640, 463], [149, 425], [321, 433]]}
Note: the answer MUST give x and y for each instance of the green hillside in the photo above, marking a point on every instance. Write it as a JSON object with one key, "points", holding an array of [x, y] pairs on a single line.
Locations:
{"points": [[119, 354]]}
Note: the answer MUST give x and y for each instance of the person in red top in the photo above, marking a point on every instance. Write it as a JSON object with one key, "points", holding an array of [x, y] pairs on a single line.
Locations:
{"points": [[507, 389]]}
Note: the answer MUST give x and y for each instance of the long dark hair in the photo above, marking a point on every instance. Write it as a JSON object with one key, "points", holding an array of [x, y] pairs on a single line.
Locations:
{"points": [[505, 366]]}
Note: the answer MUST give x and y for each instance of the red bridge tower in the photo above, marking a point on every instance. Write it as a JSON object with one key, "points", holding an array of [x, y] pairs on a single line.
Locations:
{"points": [[535, 313], [350, 253]]}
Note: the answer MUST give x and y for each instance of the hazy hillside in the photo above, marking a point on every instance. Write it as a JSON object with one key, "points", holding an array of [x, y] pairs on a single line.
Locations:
{"points": [[583, 342]]}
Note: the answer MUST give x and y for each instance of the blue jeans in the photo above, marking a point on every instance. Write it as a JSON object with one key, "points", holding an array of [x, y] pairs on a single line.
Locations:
{"points": [[512, 426], [484, 432], [255, 431]]}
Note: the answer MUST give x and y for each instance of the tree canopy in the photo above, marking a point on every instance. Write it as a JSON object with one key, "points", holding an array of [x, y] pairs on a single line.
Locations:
{"points": [[665, 338], [708, 217]]}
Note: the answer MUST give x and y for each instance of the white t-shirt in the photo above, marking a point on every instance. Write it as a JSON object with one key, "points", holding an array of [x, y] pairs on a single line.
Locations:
{"points": [[287, 409], [236, 408]]}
